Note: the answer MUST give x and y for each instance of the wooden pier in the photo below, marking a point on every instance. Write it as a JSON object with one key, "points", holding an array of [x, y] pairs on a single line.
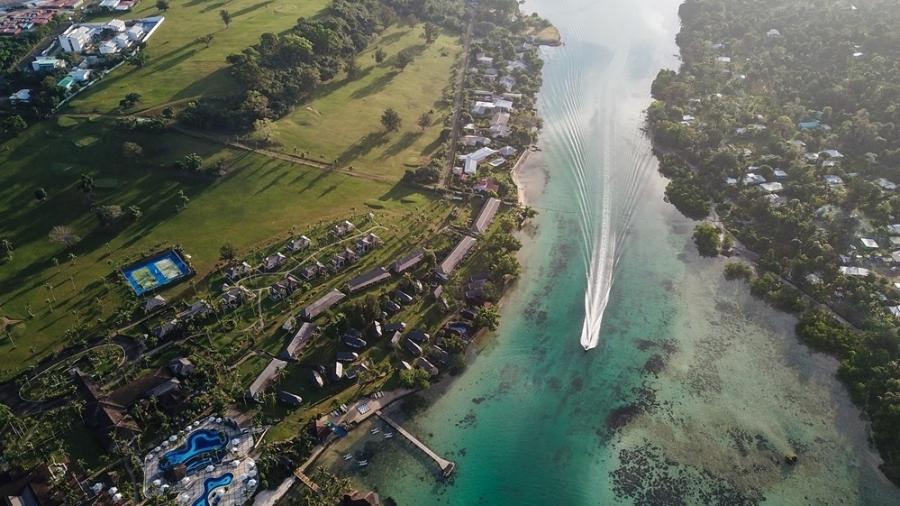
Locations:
{"points": [[307, 481], [447, 466]]}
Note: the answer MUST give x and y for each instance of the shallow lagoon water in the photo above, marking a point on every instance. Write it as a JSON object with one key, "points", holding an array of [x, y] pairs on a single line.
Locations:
{"points": [[694, 392]]}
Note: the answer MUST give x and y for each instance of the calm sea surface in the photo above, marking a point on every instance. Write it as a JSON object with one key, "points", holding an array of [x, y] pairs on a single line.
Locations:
{"points": [[692, 393]]}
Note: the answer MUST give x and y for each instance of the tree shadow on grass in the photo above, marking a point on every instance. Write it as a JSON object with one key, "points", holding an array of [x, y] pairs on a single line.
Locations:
{"points": [[175, 60], [362, 147], [375, 86], [251, 8], [432, 146], [406, 140]]}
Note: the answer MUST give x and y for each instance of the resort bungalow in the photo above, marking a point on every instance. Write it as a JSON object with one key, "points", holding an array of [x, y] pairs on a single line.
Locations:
{"points": [[166, 328], [423, 363], [343, 259], [868, 243], [367, 243], [313, 270], [773, 187], [108, 419], [343, 228], [289, 398], [453, 259], [284, 288], [273, 262], [412, 347], [336, 371], [507, 151], [321, 305], [885, 184], [298, 244], [409, 261], [154, 303], [265, 378], [485, 216], [474, 140], [236, 272], [859, 272], [293, 347], [832, 180], [199, 309], [234, 296], [181, 367], [368, 279]]}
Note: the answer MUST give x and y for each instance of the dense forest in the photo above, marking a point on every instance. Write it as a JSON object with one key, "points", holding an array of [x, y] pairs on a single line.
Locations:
{"points": [[783, 121]]}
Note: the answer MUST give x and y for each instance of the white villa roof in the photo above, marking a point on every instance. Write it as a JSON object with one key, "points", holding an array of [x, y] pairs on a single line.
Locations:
{"points": [[868, 243], [854, 271], [772, 187]]}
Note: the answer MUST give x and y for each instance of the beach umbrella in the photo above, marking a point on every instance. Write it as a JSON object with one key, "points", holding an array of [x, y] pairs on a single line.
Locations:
{"points": [[218, 420], [184, 498], [252, 473], [164, 487], [242, 477], [173, 438], [156, 449], [251, 483], [165, 443], [113, 490], [185, 480], [209, 468], [117, 497], [235, 463], [251, 462], [235, 441], [197, 423], [188, 428], [212, 418], [157, 483]]}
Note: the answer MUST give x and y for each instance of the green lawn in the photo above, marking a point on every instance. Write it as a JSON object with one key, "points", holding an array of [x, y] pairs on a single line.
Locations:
{"points": [[343, 121], [181, 68], [257, 200]]}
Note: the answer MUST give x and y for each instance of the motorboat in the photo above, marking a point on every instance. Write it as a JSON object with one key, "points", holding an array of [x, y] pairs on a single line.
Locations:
{"points": [[348, 456]]}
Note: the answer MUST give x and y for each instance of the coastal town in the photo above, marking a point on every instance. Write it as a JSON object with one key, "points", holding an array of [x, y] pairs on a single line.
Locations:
{"points": [[219, 372], [803, 188]]}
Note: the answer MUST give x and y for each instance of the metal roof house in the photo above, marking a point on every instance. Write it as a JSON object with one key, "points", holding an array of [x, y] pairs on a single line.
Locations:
{"points": [[455, 257], [293, 347], [485, 216], [265, 378], [368, 279], [321, 305]]}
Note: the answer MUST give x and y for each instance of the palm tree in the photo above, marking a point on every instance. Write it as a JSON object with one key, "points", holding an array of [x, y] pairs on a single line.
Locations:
{"points": [[49, 288]]}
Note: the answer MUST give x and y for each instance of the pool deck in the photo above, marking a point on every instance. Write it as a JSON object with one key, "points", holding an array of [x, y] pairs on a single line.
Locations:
{"points": [[235, 462]]}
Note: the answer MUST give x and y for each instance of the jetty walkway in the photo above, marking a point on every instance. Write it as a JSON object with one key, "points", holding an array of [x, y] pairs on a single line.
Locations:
{"points": [[447, 466]]}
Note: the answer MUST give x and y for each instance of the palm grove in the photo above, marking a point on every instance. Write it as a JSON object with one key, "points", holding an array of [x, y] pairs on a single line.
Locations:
{"points": [[804, 94]]}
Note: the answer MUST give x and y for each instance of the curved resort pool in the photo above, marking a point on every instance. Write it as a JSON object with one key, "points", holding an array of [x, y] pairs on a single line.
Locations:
{"points": [[211, 484], [203, 447]]}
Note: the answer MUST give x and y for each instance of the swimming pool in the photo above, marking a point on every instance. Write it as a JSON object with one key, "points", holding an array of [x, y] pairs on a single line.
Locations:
{"points": [[203, 447], [211, 484], [159, 270]]}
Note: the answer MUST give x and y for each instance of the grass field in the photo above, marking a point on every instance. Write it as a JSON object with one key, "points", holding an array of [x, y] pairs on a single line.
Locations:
{"points": [[179, 67], [258, 199], [343, 121]]}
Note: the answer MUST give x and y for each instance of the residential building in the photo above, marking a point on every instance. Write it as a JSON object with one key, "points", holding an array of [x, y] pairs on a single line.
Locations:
{"points": [[321, 305], [298, 244], [298, 341], [449, 264], [265, 378], [409, 261], [485, 216], [47, 64], [368, 279]]}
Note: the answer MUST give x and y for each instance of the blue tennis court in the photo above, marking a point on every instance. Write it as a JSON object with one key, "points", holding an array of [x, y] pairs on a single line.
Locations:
{"points": [[154, 272]]}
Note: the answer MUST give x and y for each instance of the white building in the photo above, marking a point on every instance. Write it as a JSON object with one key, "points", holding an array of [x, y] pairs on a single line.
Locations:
{"points": [[75, 39], [135, 33], [80, 75], [22, 96], [108, 47], [47, 64], [122, 41], [116, 25]]}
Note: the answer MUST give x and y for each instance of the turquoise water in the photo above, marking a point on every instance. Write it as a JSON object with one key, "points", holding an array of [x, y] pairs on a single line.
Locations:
{"points": [[211, 484], [201, 448], [692, 392]]}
